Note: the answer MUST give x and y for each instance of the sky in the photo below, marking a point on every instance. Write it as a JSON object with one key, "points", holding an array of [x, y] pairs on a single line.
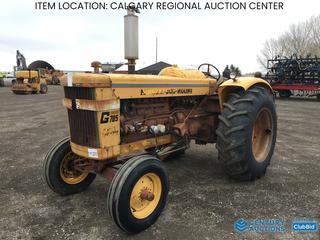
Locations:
{"points": [[72, 39]]}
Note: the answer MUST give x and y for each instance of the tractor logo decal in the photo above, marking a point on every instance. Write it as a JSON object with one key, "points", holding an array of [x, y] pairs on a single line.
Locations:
{"points": [[109, 117], [170, 91]]}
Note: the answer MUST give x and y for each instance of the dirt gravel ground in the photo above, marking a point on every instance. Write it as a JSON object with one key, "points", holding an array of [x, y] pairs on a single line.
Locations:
{"points": [[203, 202]]}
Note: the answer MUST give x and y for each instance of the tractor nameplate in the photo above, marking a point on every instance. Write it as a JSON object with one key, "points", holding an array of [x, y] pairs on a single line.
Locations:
{"points": [[167, 91], [109, 117]]}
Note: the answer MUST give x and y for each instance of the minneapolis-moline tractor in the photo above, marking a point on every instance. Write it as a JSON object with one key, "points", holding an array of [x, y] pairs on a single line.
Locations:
{"points": [[123, 125]]}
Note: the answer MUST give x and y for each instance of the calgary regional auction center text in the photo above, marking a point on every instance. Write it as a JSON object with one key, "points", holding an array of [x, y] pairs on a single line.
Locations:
{"points": [[79, 5]]}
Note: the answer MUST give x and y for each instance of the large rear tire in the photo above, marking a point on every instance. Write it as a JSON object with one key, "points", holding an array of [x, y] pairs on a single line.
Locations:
{"points": [[138, 193], [247, 133], [59, 173]]}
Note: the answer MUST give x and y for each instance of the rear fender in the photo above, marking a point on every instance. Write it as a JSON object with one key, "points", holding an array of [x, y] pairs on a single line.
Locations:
{"points": [[244, 83]]}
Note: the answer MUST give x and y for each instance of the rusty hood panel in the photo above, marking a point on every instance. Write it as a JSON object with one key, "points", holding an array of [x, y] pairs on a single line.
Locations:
{"points": [[113, 80]]}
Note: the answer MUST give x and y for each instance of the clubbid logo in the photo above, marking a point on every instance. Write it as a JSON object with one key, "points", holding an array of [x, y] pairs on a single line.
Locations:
{"points": [[305, 225]]}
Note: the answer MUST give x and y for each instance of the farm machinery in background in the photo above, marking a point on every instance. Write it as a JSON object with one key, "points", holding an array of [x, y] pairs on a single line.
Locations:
{"points": [[27, 81], [35, 77], [294, 76], [53, 76], [2, 76]]}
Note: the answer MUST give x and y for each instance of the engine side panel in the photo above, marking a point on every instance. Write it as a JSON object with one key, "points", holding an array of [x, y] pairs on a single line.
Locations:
{"points": [[183, 116]]}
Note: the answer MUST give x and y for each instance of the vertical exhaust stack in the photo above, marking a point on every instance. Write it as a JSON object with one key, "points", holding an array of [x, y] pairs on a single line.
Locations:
{"points": [[131, 38]]}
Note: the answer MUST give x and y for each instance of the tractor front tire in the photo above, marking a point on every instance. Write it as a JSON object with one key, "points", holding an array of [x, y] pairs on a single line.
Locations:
{"points": [[59, 173], [43, 88], [138, 193], [246, 133], [55, 80]]}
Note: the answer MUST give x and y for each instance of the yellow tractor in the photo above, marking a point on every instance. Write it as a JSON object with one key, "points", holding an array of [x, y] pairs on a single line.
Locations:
{"points": [[123, 125], [29, 81], [53, 76]]}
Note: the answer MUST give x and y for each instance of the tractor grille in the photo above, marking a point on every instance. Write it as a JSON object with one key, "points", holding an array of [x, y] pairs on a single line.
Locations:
{"points": [[79, 92], [83, 124]]}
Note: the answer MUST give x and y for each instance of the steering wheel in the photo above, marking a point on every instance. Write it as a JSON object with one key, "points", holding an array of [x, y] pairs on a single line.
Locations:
{"points": [[208, 72]]}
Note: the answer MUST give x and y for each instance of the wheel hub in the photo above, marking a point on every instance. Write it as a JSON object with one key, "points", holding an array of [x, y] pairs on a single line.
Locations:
{"points": [[262, 135], [67, 171], [145, 195]]}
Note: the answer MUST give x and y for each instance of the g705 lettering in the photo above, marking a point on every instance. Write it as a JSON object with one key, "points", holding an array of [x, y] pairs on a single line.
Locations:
{"points": [[109, 117]]}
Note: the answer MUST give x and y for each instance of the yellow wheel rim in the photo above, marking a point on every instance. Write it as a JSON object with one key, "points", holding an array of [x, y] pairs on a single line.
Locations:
{"points": [[145, 195], [262, 135], [67, 173]]}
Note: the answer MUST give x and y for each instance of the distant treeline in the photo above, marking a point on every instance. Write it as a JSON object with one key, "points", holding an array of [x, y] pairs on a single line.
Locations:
{"points": [[301, 39]]}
